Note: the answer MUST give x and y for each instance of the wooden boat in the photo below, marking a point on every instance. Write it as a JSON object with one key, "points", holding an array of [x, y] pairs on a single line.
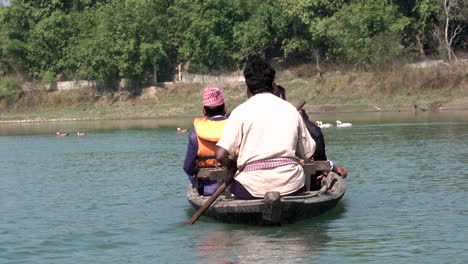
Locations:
{"points": [[273, 209], [81, 134]]}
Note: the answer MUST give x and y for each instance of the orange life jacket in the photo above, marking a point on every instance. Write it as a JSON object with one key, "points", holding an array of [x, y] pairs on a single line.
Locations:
{"points": [[208, 134]]}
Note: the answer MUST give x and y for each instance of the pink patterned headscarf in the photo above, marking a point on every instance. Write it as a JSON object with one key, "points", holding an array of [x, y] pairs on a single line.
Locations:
{"points": [[212, 97]]}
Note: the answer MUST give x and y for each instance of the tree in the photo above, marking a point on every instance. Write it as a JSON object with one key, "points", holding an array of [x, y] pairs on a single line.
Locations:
{"points": [[262, 32], [424, 13], [353, 32], [35, 34], [421, 13], [47, 44], [129, 45], [15, 23], [454, 22], [305, 18], [203, 32]]}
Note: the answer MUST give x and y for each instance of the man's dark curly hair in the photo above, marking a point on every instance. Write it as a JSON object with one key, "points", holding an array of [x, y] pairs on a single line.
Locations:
{"points": [[259, 76]]}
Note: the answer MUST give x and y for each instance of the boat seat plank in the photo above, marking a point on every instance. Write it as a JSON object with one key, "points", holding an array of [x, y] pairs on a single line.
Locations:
{"points": [[213, 174], [311, 169]]}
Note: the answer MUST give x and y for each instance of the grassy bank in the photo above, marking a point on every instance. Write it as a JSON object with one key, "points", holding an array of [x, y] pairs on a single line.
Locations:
{"points": [[432, 88]]}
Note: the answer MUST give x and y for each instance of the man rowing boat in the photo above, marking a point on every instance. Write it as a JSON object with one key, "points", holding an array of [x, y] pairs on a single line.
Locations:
{"points": [[270, 136]]}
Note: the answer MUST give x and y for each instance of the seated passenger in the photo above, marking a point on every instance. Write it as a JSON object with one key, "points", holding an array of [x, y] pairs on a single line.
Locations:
{"points": [[316, 133], [202, 140]]}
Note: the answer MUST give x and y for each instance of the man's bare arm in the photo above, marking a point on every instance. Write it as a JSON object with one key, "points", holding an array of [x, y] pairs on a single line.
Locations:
{"points": [[222, 156]]}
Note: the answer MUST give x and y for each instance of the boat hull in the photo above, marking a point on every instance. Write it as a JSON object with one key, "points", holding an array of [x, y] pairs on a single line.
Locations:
{"points": [[286, 209]]}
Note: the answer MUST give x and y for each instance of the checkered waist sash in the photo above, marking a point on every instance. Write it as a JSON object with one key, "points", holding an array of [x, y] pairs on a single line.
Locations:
{"points": [[269, 164]]}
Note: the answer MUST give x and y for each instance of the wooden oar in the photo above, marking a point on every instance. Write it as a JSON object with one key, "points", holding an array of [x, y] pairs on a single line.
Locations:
{"points": [[300, 105], [213, 197]]}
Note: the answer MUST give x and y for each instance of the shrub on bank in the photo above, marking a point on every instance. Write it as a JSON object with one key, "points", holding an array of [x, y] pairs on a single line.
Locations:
{"points": [[10, 91]]}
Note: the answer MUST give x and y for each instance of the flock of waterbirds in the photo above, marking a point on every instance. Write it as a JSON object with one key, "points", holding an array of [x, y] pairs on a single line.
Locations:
{"points": [[327, 125], [65, 134], [318, 123], [179, 130]]}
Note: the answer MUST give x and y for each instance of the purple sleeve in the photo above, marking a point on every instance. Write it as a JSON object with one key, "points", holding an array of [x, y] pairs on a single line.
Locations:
{"points": [[191, 156]]}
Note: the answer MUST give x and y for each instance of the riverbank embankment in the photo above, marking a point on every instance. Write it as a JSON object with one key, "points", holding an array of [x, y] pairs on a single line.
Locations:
{"points": [[406, 89]]}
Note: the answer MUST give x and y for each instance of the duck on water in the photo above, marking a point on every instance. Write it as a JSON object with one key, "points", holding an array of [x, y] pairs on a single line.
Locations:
{"points": [[322, 125], [340, 124], [61, 134]]}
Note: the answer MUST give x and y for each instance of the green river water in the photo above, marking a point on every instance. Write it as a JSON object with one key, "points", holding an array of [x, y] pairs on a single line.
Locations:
{"points": [[117, 195]]}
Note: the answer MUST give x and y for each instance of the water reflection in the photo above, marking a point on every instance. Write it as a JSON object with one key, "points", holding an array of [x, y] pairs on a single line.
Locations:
{"points": [[296, 243], [245, 246], [11, 129]]}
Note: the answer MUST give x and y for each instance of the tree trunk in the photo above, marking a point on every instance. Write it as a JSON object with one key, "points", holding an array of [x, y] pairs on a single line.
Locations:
{"points": [[419, 42], [317, 65], [447, 23], [449, 6]]}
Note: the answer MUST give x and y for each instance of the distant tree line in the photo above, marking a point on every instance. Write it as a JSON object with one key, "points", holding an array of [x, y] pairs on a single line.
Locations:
{"points": [[108, 40]]}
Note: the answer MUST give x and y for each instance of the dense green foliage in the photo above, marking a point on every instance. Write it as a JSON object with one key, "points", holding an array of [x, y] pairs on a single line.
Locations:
{"points": [[361, 33], [110, 40], [10, 91]]}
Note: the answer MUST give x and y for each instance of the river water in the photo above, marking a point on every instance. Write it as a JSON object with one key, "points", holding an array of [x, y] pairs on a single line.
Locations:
{"points": [[117, 195]]}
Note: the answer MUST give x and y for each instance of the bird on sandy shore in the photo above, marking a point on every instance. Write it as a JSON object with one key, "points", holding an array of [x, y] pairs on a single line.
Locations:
{"points": [[419, 108], [322, 125], [340, 124], [182, 130]]}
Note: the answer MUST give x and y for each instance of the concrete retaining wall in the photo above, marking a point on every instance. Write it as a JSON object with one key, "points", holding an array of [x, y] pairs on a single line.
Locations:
{"points": [[199, 78], [434, 63], [426, 64], [70, 85], [184, 78]]}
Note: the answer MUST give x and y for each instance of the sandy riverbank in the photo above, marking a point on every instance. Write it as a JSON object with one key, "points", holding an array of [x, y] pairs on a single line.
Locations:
{"points": [[437, 89], [456, 104]]}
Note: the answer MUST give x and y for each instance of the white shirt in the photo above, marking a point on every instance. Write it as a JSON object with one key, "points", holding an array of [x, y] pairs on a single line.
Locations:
{"points": [[266, 127]]}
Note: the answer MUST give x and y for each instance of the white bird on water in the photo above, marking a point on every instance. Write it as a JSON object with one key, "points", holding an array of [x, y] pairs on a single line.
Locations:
{"points": [[322, 125], [340, 124]]}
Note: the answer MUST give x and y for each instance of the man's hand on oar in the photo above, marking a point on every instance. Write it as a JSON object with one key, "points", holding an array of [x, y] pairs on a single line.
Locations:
{"points": [[299, 107], [300, 104]]}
